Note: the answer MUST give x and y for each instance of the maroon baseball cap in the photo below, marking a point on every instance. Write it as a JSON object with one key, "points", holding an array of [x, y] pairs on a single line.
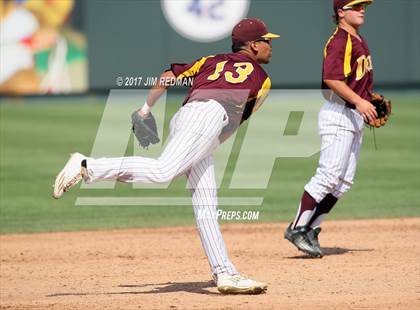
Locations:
{"points": [[340, 4], [251, 29]]}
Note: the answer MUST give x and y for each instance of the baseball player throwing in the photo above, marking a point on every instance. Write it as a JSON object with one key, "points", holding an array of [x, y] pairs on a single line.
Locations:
{"points": [[347, 83], [227, 89]]}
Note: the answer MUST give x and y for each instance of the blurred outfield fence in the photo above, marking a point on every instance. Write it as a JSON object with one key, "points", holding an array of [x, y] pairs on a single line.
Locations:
{"points": [[131, 38], [87, 45]]}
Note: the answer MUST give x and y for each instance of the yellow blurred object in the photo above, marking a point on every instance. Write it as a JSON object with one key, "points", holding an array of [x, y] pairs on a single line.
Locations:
{"points": [[6, 7], [23, 82], [50, 13]]}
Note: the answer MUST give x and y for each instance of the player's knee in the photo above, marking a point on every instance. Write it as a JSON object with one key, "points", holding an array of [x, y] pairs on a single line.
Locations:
{"points": [[163, 177], [164, 173]]}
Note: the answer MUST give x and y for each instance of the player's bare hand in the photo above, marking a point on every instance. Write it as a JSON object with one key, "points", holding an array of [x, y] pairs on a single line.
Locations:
{"points": [[367, 110], [141, 113], [144, 111]]}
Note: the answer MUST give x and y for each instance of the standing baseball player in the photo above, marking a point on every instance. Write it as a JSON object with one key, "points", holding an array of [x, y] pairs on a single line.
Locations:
{"points": [[347, 82], [227, 89]]}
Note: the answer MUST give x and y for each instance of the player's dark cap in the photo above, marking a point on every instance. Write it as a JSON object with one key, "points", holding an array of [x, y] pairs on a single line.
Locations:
{"points": [[251, 29], [344, 4]]}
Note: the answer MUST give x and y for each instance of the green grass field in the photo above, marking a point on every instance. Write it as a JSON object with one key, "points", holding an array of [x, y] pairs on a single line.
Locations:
{"points": [[38, 134]]}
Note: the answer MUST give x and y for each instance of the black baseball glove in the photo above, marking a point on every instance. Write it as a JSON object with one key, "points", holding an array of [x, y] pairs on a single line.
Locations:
{"points": [[383, 109], [144, 128]]}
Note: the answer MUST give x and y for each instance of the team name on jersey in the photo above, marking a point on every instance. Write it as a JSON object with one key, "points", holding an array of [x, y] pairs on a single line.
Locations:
{"points": [[364, 65]]}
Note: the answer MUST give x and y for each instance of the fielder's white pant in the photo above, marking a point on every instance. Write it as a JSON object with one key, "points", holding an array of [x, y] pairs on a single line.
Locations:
{"points": [[194, 132], [341, 131]]}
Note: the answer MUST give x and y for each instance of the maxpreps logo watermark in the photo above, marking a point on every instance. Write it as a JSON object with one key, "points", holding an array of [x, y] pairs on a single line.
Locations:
{"points": [[285, 126], [228, 215]]}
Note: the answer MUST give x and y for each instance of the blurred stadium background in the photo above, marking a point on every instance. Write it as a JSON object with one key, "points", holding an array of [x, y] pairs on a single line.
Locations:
{"points": [[60, 58]]}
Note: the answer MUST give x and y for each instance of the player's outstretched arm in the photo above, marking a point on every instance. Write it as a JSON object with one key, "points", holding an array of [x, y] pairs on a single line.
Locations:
{"points": [[155, 92], [365, 108]]}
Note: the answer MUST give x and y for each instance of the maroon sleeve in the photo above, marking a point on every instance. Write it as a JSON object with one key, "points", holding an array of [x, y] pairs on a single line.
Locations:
{"points": [[333, 68], [188, 70], [177, 69]]}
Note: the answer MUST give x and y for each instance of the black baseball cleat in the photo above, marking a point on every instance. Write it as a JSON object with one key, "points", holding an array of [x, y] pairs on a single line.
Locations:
{"points": [[312, 236], [298, 237]]}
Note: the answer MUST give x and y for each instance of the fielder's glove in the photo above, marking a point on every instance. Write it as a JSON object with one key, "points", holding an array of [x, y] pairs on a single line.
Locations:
{"points": [[383, 109], [144, 128]]}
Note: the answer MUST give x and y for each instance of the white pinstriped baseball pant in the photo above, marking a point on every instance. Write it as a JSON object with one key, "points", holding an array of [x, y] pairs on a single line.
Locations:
{"points": [[341, 131], [194, 132]]}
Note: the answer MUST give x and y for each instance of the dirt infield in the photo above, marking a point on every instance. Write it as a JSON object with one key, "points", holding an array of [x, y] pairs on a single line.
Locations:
{"points": [[369, 265]]}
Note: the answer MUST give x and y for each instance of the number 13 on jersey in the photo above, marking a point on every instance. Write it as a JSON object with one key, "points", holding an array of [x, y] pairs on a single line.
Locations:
{"points": [[243, 70]]}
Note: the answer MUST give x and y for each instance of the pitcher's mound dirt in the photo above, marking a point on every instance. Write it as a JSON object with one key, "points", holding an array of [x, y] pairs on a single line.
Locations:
{"points": [[369, 264]]}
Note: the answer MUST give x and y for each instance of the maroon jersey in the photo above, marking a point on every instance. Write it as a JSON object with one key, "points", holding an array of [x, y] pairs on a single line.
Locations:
{"points": [[236, 81], [348, 59]]}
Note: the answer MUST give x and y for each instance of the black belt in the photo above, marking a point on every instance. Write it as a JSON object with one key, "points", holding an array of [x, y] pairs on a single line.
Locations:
{"points": [[350, 106]]}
